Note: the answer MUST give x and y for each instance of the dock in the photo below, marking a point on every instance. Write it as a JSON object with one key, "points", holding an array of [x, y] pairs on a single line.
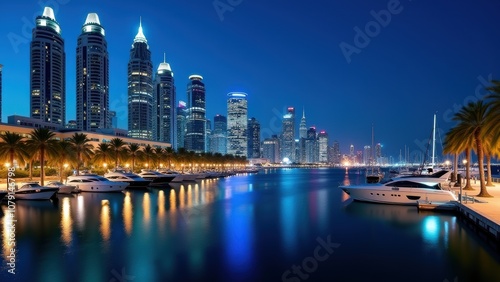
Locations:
{"points": [[483, 213]]}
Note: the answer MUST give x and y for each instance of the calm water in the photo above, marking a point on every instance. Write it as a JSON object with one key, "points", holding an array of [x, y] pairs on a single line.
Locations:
{"points": [[278, 225]]}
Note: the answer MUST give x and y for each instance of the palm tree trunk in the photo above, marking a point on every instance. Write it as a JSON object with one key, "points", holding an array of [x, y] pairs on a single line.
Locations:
{"points": [[42, 166], [483, 192], [455, 166], [489, 179], [467, 171]]}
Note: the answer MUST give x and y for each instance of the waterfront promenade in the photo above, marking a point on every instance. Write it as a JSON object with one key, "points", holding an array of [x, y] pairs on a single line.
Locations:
{"points": [[486, 213]]}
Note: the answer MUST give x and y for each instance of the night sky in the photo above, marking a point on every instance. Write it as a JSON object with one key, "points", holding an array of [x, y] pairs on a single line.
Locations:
{"points": [[345, 62]]}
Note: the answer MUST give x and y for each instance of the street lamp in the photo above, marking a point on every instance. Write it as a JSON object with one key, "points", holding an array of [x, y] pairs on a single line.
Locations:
{"points": [[447, 164]]}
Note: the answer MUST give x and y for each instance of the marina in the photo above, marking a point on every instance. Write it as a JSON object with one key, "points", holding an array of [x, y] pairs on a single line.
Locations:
{"points": [[258, 226]]}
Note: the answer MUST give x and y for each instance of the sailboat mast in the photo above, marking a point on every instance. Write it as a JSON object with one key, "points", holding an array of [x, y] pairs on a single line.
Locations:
{"points": [[433, 140]]}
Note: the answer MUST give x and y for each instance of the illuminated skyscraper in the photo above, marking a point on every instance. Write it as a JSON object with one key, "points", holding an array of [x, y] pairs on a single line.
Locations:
{"points": [[140, 89], [322, 147], [303, 127], [92, 77], [336, 157], [288, 135], [271, 149], [47, 71], [237, 123], [164, 105], [311, 146], [367, 155], [218, 140], [253, 134], [195, 124], [181, 114]]}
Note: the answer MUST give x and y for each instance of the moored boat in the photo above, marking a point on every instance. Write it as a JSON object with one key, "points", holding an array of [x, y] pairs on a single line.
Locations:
{"points": [[156, 177], [402, 191], [63, 188], [134, 180], [34, 191], [95, 183]]}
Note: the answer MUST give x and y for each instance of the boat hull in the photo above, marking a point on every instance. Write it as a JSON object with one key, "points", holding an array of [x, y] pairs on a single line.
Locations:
{"points": [[36, 194], [102, 188], [398, 196]]}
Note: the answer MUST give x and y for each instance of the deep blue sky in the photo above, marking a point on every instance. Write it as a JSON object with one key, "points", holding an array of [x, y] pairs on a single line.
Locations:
{"points": [[426, 58]]}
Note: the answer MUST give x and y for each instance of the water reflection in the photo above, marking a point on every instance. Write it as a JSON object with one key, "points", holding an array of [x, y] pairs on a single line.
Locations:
{"points": [[7, 234], [105, 221], [66, 221], [146, 208], [127, 213]]}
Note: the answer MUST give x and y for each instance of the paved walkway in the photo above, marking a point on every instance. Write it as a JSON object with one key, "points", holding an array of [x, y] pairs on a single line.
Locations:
{"points": [[485, 213]]}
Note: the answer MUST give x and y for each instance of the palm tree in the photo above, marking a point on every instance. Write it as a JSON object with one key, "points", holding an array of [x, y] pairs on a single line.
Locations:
{"points": [[12, 148], [494, 115], [473, 119], [457, 142], [42, 141], [65, 153], [169, 153], [82, 148], [103, 153], [148, 154], [134, 151], [118, 147]]}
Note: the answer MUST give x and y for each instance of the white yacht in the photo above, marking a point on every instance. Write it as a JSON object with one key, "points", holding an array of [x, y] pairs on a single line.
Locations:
{"points": [[34, 191], [156, 177], [95, 183], [63, 188], [402, 191], [134, 180]]}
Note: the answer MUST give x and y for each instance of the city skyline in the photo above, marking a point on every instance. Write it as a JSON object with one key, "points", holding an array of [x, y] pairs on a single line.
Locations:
{"points": [[398, 74]]}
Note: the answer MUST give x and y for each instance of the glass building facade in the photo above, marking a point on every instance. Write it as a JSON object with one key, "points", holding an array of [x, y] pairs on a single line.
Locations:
{"points": [[218, 140], [140, 89], [164, 105], [92, 77], [288, 136], [237, 123], [195, 123], [253, 138], [47, 71]]}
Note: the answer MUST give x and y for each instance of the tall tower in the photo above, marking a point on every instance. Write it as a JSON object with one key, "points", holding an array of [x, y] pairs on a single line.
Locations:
{"points": [[288, 135], [92, 77], [47, 71], [322, 146], [311, 146], [140, 89], [181, 117], [303, 127], [237, 123], [218, 141], [164, 105], [195, 124], [253, 138]]}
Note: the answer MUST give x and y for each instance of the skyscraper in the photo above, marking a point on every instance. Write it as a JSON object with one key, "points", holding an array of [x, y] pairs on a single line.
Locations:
{"points": [[288, 135], [195, 124], [181, 124], [322, 146], [237, 107], [336, 158], [303, 127], [164, 105], [311, 146], [218, 140], [47, 71], [92, 76], [253, 138], [1, 92], [140, 89], [271, 149]]}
